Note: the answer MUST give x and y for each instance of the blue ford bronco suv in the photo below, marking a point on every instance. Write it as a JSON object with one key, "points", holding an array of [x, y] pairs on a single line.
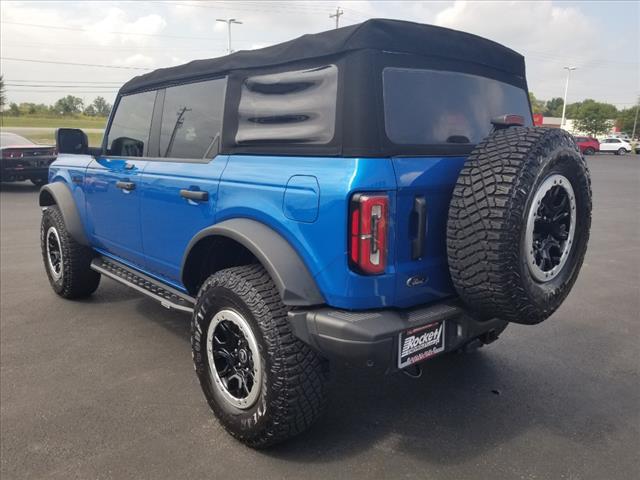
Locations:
{"points": [[375, 195]]}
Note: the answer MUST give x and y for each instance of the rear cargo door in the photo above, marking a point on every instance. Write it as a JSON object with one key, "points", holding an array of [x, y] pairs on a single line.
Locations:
{"points": [[442, 114], [425, 185]]}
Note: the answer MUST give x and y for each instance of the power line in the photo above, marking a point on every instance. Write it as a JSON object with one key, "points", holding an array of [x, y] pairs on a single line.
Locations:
{"points": [[12, 90], [52, 27], [65, 81], [108, 47], [60, 86], [279, 7], [123, 67]]}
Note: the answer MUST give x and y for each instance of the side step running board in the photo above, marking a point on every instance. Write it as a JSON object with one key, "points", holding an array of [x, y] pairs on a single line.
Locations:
{"points": [[167, 296]]}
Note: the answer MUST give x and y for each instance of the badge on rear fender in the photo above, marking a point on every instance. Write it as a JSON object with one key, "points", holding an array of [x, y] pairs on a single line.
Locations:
{"points": [[417, 344]]}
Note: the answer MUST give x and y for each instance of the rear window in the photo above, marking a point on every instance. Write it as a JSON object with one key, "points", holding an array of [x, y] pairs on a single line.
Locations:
{"points": [[428, 107], [129, 132], [192, 119]]}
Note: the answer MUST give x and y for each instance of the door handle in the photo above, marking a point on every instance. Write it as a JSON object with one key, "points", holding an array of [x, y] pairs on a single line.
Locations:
{"points": [[420, 214], [195, 195], [128, 186]]}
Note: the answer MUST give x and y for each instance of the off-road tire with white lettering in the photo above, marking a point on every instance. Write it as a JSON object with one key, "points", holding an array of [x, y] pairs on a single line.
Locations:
{"points": [[293, 389], [488, 216], [77, 280]]}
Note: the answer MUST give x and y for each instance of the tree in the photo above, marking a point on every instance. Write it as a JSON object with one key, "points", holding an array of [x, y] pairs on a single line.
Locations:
{"points": [[594, 118], [68, 105], [14, 109], [626, 119], [554, 107], [28, 108], [101, 107], [537, 106], [90, 111], [3, 97]]}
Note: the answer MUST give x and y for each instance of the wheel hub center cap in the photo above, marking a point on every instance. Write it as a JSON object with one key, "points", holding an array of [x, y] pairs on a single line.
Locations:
{"points": [[243, 356]]}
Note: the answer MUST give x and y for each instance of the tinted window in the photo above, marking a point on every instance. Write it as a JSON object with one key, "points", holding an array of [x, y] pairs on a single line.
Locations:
{"points": [[582, 139], [297, 107], [424, 107], [129, 132], [192, 119]]}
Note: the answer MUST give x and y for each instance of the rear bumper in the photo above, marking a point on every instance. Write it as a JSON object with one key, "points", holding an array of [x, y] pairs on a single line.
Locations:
{"points": [[370, 338], [10, 173]]}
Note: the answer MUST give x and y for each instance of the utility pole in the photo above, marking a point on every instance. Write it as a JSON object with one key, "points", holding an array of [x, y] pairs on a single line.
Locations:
{"points": [[337, 16], [229, 21], [635, 121], [566, 89]]}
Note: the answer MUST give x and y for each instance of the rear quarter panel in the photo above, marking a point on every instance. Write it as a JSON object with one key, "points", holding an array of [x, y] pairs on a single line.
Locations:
{"points": [[254, 187]]}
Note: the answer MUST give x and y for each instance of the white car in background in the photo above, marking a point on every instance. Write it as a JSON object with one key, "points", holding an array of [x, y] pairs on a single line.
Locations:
{"points": [[615, 145]]}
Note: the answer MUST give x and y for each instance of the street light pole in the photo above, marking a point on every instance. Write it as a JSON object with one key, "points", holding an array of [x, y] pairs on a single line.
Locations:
{"points": [[566, 90], [635, 121], [229, 21]]}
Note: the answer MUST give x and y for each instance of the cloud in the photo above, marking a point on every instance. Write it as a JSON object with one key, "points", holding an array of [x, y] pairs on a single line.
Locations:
{"points": [[549, 34], [552, 35], [116, 20], [136, 60]]}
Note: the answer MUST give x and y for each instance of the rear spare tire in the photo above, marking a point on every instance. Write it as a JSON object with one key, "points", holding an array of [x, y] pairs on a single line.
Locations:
{"points": [[519, 223]]}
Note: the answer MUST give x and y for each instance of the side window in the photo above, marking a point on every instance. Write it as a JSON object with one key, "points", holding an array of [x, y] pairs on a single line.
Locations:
{"points": [[297, 107], [129, 132], [192, 120]]}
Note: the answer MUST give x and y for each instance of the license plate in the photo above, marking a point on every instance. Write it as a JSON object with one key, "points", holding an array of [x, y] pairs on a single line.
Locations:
{"points": [[420, 343]]}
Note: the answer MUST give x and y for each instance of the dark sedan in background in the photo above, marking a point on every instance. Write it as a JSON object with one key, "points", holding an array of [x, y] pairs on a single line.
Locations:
{"points": [[24, 160]]}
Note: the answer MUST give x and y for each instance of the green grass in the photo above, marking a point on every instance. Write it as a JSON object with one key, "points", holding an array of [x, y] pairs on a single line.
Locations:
{"points": [[48, 138], [79, 121]]}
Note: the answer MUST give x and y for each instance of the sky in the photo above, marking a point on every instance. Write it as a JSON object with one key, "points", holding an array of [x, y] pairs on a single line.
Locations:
{"points": [[128, 38]]}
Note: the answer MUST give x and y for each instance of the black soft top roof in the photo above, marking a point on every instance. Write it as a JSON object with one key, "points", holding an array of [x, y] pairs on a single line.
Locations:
{"points": [[378, 34]]}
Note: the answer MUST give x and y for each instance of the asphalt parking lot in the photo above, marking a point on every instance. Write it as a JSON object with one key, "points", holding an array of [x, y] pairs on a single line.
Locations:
{"points": [[104, 387]]}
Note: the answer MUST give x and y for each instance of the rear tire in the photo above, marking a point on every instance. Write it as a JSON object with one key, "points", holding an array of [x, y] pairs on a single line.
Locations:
{"points": [[519, 224], [263, 384], [66, 262]]}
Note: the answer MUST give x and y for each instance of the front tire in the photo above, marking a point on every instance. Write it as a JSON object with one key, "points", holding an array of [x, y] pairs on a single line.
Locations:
{"points": [[621, 151], [66, 262], [589, 151], [263, 384]]}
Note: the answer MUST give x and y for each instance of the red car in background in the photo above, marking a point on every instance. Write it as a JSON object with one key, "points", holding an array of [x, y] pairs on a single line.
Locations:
{"points": [[588, 145]]}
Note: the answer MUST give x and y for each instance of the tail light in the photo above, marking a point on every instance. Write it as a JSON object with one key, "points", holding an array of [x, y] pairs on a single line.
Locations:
{"points": [[368, 233], [11, 153]]}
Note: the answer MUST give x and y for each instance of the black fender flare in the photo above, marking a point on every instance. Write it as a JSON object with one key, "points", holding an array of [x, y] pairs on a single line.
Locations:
{"points": [[58, 193], [293, 280]]}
